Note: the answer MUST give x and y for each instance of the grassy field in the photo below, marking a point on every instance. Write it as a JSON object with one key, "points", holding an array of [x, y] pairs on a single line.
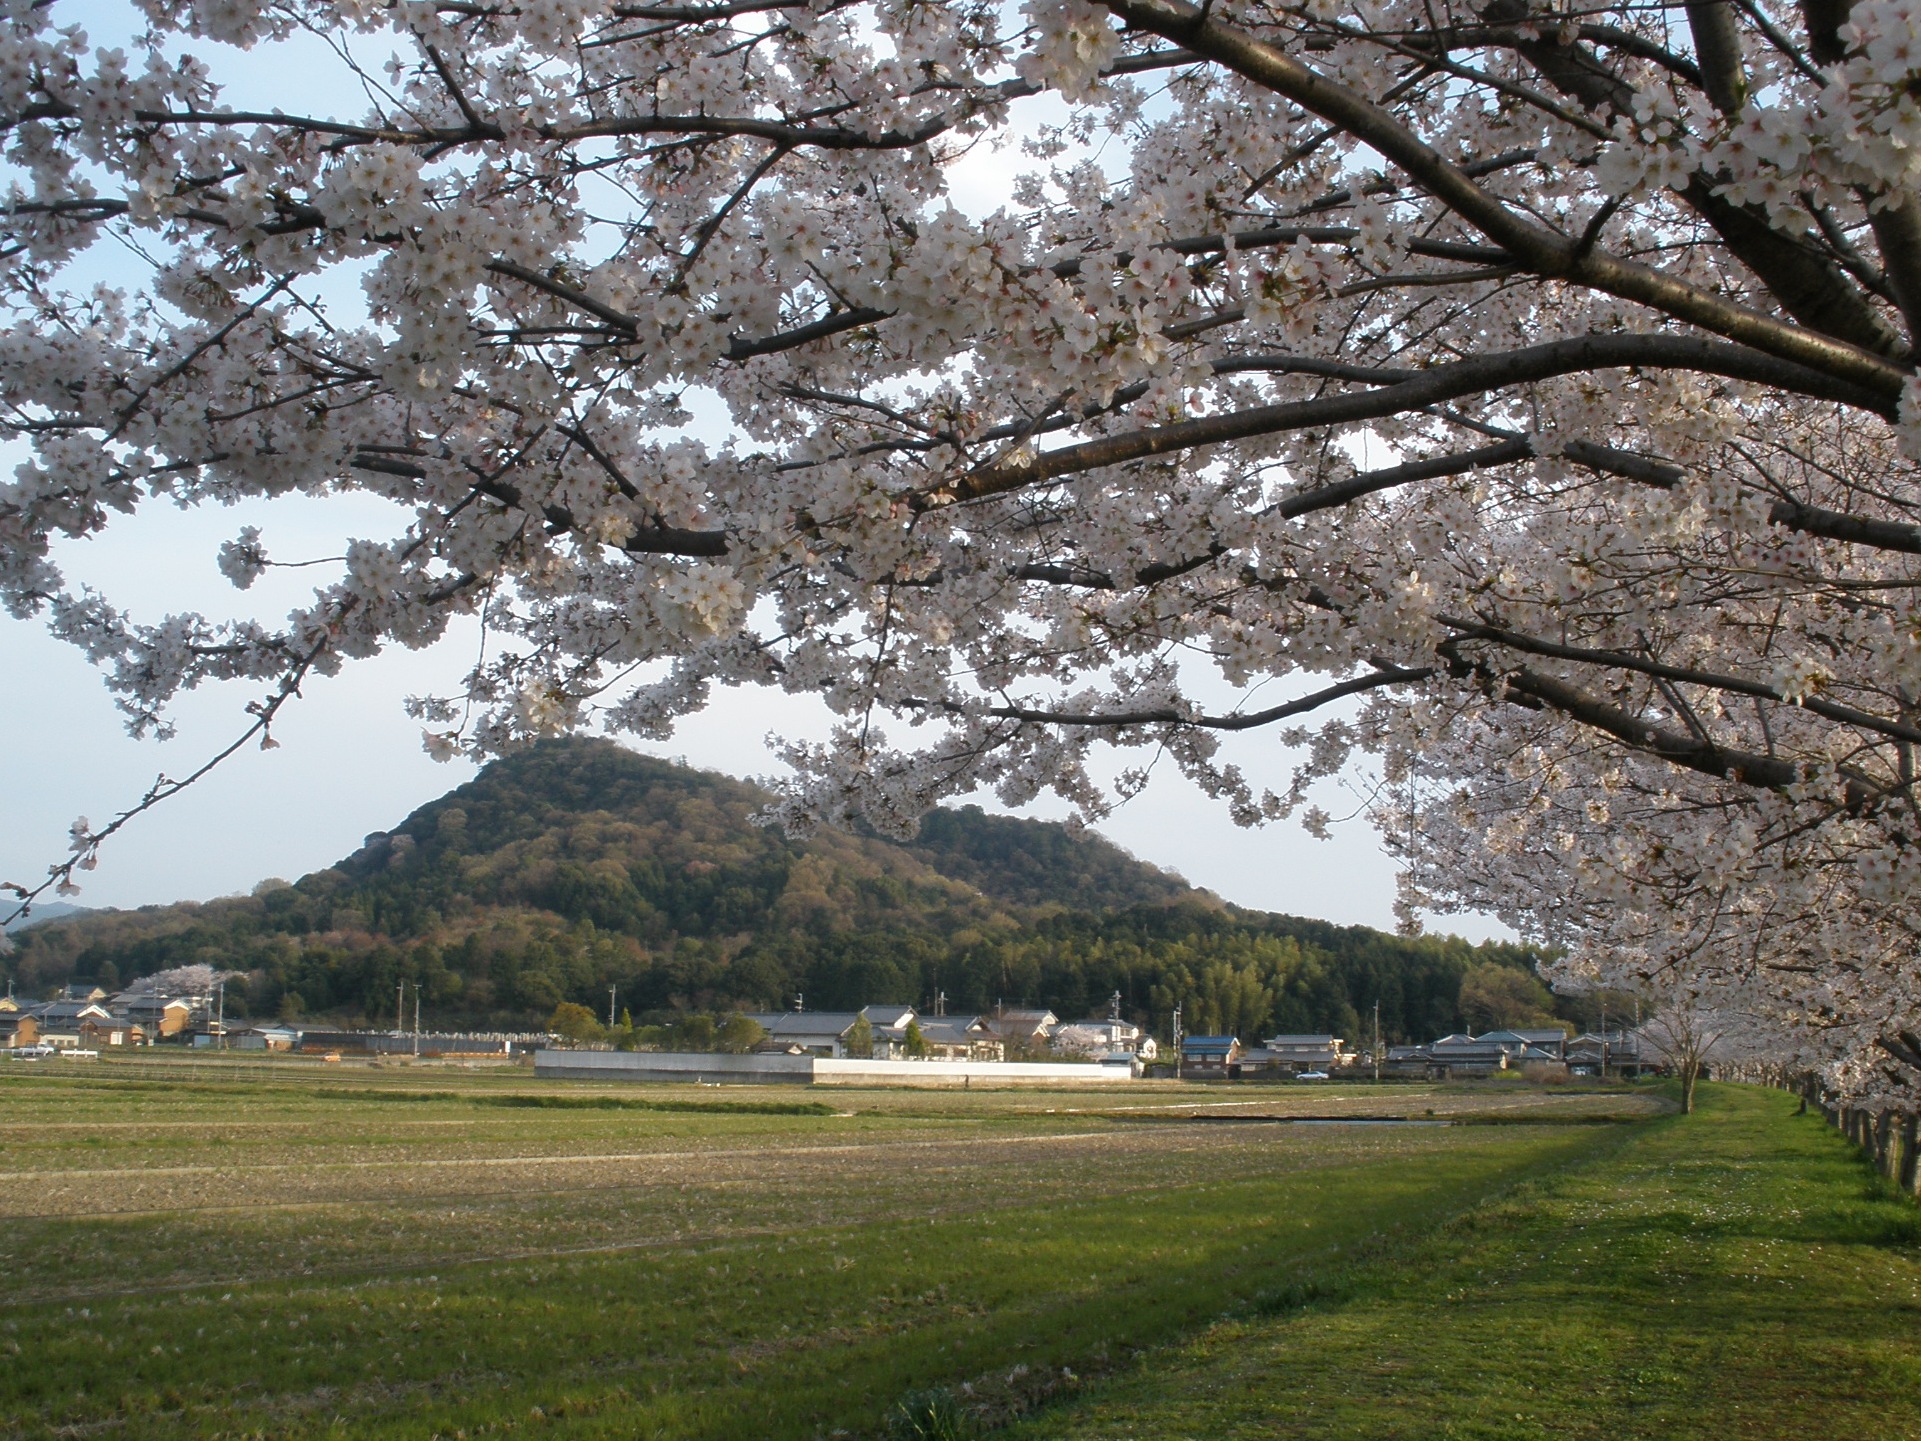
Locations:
{"points": [[207, 1252], [237, 1251], [1738, 1273]]}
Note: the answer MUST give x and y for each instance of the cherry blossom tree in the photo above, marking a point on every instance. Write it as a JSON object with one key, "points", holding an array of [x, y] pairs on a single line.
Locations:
{"points": [[1529, 390]]}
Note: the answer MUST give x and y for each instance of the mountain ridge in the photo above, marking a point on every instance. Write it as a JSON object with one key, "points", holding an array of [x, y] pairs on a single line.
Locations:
{"points": [[577, 865]]}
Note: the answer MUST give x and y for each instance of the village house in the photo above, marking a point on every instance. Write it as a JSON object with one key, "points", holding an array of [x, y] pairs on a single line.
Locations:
{"points": [[112, 1031], [889, 1024], [162, 1017], [1021, 1030], [1205, 1056], [1290, 1055], [1618, 1053], [18, 1028], [960, 1038], [1551, 1043], [817, 1033], [61, 1022], [1462, 1055]]}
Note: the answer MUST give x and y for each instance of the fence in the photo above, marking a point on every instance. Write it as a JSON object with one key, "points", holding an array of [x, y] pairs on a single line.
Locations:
{"points": [[1893, 1141]]}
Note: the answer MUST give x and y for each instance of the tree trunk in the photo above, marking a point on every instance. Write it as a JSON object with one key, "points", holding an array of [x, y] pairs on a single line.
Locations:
{"points": [[1910, 1177], [1690, 1073], [1884, 1143]]}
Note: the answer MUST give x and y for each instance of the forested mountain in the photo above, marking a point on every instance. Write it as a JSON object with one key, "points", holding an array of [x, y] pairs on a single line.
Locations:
{"points": [[578, 865]]}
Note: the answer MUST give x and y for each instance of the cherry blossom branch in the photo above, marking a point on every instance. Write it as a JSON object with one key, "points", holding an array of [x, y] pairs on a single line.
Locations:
{"points": [[1468, 631], [1167, 715], [1439, 384], [1533, 246]]}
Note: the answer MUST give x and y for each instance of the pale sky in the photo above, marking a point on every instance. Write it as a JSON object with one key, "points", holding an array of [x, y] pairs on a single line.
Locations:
{"points": [[350, 760]]}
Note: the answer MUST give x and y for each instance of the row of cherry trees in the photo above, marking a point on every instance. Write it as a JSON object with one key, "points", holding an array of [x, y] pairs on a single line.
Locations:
{"points": [[1528, 389]]}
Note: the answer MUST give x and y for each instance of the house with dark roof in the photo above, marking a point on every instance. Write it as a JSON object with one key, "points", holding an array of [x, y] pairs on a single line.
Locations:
{"points": [[111, 1031], [1210, 1056], [1020, 1029], [889, 1025], [960, 1038], [817, 1033], [1462, 1055], [159, 1016], [1617, 1053], [1408, 1062], [1289, 1055], [61, 1021], [1550, 1042]]}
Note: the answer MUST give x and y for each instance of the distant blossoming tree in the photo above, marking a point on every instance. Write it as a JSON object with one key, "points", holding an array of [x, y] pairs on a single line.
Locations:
{"points": [[1078, 1040], [1532, 386]]}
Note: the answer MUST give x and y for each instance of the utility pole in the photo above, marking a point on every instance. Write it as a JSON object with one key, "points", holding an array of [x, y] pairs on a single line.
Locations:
{"points": [[400, 1009], [1177, 1043], [1377, 1038], [800, 1002], [612, 991], [940, 1003], [220, 1009], [416, 1020], [1604, 1040]]}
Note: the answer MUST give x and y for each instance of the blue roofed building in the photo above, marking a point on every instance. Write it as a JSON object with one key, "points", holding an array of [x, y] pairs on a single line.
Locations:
{"points": [[1210, 1056]]}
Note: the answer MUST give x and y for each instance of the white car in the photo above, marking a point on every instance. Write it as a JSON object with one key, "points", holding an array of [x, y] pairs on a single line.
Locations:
{"points": [[1312, 1076]]}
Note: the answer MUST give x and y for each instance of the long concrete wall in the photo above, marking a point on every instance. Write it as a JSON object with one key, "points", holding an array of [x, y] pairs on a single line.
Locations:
{"points": [[763, 1070]]}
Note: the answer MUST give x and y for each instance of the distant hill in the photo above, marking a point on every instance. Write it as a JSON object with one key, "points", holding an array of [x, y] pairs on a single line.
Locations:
{"points": [[45, 911], [577, 865]]}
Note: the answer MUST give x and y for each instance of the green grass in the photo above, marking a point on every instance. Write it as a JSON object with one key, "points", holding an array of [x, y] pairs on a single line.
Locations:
{"points": [[296, 1255], [290, 1253], [1738, 1273]]}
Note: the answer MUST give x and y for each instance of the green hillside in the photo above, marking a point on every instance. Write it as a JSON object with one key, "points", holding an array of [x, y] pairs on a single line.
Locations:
{"points": [[578, 865]]}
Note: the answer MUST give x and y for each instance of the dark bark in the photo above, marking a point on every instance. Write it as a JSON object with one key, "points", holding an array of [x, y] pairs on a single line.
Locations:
{"points": [[1824, 19], [1717, 46]]}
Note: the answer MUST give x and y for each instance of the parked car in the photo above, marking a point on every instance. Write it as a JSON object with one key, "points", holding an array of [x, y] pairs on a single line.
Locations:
{"points": [[1312, 1076]]}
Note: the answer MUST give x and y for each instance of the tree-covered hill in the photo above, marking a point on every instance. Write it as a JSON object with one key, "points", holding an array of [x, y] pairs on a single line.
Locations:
{"points": [[578, 865], [1032, 863]]}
